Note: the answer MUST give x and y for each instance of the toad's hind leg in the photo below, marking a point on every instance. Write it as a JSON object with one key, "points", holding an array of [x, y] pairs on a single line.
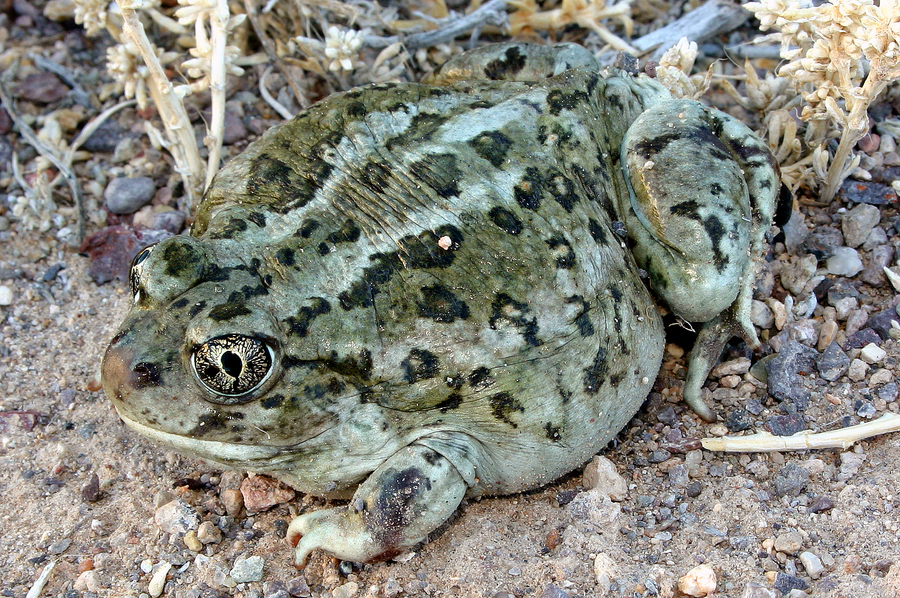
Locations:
{"points": [[702, 194], [406, 498]]}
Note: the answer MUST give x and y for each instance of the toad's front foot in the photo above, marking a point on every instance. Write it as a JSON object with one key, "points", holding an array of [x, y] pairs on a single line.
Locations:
{"points": [[406, 498]]}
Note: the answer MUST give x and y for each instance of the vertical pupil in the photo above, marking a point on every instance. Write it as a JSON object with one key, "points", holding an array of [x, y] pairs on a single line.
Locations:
{"points": [[232, 364]]}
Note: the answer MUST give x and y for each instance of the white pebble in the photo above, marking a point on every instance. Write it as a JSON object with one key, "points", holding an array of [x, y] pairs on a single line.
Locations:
{"points": [[812, 564], [601, 474], [872, 354], [604, 570], [158, 581], [857, 370], [844, 262], [699, 581], [6, 295]]}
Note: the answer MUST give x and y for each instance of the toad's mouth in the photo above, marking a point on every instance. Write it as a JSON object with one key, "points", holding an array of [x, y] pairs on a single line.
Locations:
{"points": [[230, 454]]}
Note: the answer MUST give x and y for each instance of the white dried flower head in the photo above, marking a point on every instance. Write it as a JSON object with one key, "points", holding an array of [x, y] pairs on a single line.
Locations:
{"points": [[341, 47], [127, 68], [92, 14], [674, 71]]}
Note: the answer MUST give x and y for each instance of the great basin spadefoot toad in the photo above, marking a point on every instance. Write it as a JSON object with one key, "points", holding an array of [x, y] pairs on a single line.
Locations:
{"points": [[414, 293]]}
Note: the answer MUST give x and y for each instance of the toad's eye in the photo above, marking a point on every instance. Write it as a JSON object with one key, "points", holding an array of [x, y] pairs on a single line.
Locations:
{"points": [[134, 275], [232, 366]]}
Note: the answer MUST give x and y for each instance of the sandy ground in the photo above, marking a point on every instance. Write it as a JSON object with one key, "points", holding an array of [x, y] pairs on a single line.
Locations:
{"points": [[53, 335]]}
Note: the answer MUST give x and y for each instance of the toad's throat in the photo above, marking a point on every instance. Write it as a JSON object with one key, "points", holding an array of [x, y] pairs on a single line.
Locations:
{"points": [[233, 455]]}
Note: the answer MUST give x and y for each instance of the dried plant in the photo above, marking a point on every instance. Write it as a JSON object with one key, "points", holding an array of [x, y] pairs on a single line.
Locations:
{"points": [[840, 56]]}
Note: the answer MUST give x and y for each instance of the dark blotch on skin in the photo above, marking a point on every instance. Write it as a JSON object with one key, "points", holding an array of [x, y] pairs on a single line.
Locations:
{"points": [[209, 422], [197, 308], [307, 228], [285, 256], [500, 311], [530, 190], [353, 367], [420, 364], [582, 320], [440, 172], [257, 218], [559, 100], [270, 177], [595, 375], [716, 231], [553, 432], [247, 292], [227, 311], [299, 324], [565, 257], [348, 233], [272, 402], [181, 259], [686, 209], [145, 375], [480, 379], [505, 220], [180, 303], [394, 507], [441, 305], [503, 405], [450, 403], [492, 146], [506, 67], [597, 232]]}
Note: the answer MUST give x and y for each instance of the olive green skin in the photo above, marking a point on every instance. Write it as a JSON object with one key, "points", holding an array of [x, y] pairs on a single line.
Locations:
{"points": [[420, 291]]}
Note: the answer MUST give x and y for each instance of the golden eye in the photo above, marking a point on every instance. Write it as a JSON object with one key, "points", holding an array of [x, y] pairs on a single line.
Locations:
{"points": [[232, 366], [134, 275]]}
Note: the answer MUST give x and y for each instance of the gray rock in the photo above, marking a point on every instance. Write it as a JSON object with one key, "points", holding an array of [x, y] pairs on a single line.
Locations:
{"points": [[797, 273], [553, 591], [170, 220], [234, 128], [812, 564], [42, 88], [876, 238], [881, 258], [784, 583], [822, 241], [783, 370], [127, 195], [832, 363], [176, 517], [786, 425], [858, 223], [761, 315], [791, 480], [247, 570], [887, 392], [881, 322], [821, 504], [678, 475], [754, 590], [105, 138], [844, 262], [867, 192], [297, 586], [795, 232]]}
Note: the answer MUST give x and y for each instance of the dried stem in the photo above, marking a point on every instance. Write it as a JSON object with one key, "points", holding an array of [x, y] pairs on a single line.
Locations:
{"points": [[844, 438], [218, 24], [178, 125], [253, 16], [32, 139]]}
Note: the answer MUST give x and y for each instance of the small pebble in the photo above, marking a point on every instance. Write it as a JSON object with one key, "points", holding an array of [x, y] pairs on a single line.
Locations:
{"points": [[872, 354], [821, 504], [857, 370], [262, 492], [126, 195], [42, 88], [601, 474], [604, 571], [784, 583], [754, 590], [347, 590], [158, 580], [761, 315], [6, 295], [208, 533], [87, 581], [233, 501], [176, 517], [844, 262], [784, 372], [247, 570], [826, 334], [888, 393], [832, 363], [789, 542], [699, 581], [191, 541], [812, 564], [858, 223], [822, 241], [791, 480], [867, 411], [553, 591]]}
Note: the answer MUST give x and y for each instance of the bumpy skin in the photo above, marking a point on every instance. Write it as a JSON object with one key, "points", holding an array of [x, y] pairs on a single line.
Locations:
{"points": [[412, 293]]}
